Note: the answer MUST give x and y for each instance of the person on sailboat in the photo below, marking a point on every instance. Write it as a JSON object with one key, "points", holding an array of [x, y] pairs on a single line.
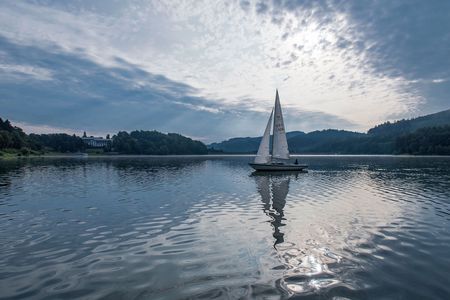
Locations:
{"points": [[296, 161]]}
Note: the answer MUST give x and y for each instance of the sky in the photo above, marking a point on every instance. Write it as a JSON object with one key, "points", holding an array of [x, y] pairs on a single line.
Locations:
{"points": [[209, 69]]}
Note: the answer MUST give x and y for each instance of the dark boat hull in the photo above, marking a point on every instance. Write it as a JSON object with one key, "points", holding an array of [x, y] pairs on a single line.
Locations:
{"points": [[277, 167]]}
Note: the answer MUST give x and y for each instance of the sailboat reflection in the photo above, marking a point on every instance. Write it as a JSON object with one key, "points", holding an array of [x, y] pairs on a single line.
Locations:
{"points": [[274, 189], [306, 265]]}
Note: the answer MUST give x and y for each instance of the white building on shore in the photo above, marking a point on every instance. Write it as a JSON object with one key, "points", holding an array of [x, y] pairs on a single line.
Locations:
{"points": [[96, 142]]}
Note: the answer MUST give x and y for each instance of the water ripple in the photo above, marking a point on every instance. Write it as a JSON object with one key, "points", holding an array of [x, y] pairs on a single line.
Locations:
{"points": [[193, 228]]}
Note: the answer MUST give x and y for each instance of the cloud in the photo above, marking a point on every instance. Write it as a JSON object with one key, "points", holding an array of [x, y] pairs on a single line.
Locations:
{"points": [[398, 39], [84, 95], [261, 7], [210, 69], [30, 128], [24, 72], [439, 80]]}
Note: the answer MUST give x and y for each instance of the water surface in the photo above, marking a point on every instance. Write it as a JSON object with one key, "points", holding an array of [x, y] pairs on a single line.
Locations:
{"points": [[207, 227]]}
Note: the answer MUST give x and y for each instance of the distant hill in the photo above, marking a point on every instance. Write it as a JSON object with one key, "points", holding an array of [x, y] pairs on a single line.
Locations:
{"points": [[324, 141], [386, 138], [427, 140], [245, 144], [299, 142], [408, 126]]}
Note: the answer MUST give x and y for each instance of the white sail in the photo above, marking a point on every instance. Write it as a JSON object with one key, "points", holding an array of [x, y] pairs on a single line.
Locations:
{"points": [[263, 155], [280, 148]]}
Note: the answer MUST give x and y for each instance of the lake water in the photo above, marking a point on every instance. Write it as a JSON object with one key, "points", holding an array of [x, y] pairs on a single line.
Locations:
{"points": [[206, 227]]}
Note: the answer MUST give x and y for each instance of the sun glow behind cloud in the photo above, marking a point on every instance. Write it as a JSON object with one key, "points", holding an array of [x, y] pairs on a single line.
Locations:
{"points": [[231, 55]]}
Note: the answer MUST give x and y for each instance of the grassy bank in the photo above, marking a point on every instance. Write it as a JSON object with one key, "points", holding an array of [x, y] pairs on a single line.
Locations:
{"points": [[23, 152], [10, 153]]}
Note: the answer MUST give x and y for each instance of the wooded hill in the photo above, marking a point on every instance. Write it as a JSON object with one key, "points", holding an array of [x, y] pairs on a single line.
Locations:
{"points": [[136, 142], [428, 134]]}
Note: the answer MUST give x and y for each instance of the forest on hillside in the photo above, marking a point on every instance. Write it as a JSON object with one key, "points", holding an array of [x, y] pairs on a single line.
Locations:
{"points": [[426, 135], [156, 143], [136, 142]]}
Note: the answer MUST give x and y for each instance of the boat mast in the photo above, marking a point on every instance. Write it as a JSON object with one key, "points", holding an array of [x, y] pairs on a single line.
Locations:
{"points": [[273, 129]]}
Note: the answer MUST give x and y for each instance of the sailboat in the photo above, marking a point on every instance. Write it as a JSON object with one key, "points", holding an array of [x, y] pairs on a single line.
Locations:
{"points": [[279, 160]]}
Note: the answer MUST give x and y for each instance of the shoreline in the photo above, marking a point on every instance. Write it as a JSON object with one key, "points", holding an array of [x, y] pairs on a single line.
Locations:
{"points": [[69, 155]]}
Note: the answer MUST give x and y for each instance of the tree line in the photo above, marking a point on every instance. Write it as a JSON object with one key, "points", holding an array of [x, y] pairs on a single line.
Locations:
{"points": [[385, 139], [13, 137], [156, 143], [424, 141], [135, 142]]}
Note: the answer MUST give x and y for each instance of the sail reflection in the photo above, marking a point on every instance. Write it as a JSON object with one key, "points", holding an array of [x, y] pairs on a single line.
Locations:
{"points": [[306, 265], [316, 249], [274, 190]]}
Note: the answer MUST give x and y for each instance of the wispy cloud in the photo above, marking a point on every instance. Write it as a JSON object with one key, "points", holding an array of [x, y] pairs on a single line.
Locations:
{"points": [[24, 72], [439, 80]]}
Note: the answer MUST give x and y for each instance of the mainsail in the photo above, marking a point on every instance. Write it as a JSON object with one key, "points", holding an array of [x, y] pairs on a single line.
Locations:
{"points": [[263, 155], [280, 148]]}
